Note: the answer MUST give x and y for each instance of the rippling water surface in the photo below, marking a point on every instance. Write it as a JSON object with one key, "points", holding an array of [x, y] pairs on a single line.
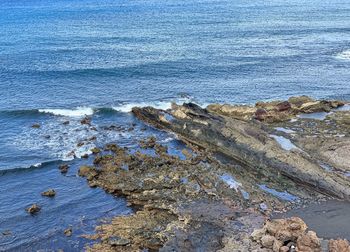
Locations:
{"points": [[61, 60]]}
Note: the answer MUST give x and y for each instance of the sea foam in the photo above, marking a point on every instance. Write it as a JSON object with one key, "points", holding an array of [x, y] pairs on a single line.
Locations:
{"points": [[164, 105], [78, 112], [344, 55]]}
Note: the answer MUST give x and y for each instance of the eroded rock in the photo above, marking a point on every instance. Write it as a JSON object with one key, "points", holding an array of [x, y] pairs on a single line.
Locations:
{"points": [[49, 193], [33, 209]]}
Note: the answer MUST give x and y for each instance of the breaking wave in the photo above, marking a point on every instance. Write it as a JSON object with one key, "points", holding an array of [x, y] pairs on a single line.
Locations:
{"points": [[344, 55], [78, 112]]}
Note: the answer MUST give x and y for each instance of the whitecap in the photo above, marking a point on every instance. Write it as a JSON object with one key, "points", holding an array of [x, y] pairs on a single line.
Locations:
{"points": [[344, 55], [78, 112], [126, 108], [164, 105]]}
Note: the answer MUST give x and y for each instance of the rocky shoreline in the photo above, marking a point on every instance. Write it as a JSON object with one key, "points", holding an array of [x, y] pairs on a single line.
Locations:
{"points": [[242, 163]]}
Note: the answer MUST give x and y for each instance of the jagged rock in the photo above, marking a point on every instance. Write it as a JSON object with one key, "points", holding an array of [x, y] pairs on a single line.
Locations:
{"points": [[248, 143], [309, 242], [338, 245], [33, 209], [68, 232], [86, 120], [63, 168], [49, 193], [282, 234]]}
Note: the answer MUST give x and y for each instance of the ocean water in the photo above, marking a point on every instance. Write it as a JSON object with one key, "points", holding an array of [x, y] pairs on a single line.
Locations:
{"points": [[61, 60]]}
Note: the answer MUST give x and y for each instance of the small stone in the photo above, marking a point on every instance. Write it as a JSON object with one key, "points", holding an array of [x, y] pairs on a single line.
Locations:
{"points": [[33, 209], [63, 168], [36, 126], [68, 232], [85, 155], [65, 122], [49, 193]]}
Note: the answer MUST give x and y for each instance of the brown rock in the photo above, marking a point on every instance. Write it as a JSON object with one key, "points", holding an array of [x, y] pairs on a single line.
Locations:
{"points": [[33, 209], [84, 170], [309, 242], [260, 114], [338, 246], [284, 249], [63, 168], [68, 232], [277, 246], [36, 126], [49, 193], [283, 106], [267, 241]]}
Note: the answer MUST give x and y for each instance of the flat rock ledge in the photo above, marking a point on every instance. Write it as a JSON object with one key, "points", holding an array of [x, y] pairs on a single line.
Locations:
{"points": [[235, 173]]}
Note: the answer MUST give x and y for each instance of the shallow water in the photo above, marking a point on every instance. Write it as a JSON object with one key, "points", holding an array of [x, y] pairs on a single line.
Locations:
{"points": [[285, 143], [328, 219], [61, 60]]}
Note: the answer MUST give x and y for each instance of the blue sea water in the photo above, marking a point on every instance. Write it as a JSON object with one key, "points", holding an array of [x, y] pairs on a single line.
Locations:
{"points": [[60, 60]]}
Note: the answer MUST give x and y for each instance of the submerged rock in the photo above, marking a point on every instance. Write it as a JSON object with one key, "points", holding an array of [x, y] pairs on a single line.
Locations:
{"points": [[36, 126], [33, 209], [63, 168], [49, 193]]}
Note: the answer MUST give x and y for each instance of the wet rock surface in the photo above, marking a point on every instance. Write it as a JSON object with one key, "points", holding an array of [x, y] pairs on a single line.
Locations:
{"points": [[33, 209], [249, 143], [49, 193], [244, 163]]}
